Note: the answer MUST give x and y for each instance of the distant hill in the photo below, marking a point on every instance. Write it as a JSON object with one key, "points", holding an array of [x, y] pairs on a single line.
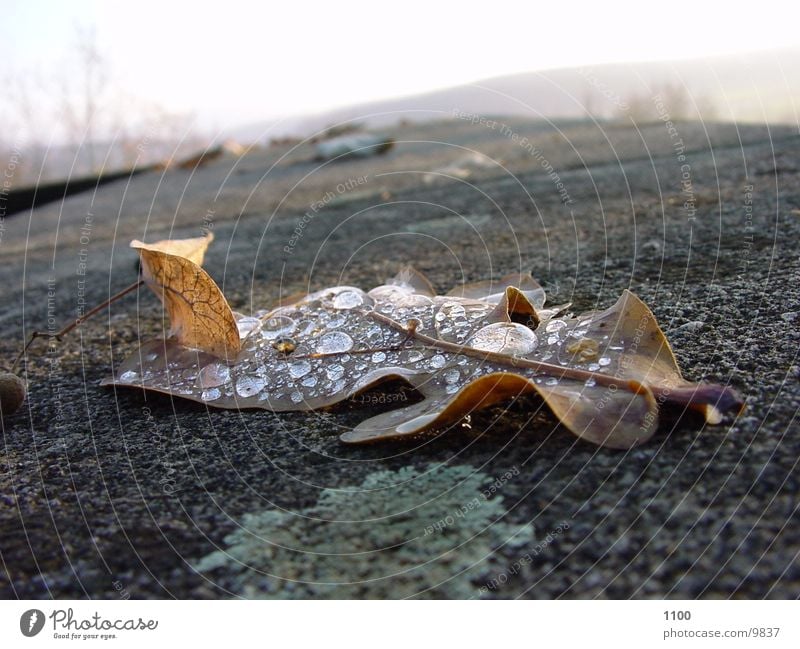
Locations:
{"points": [[757, 87], [754, 87]]}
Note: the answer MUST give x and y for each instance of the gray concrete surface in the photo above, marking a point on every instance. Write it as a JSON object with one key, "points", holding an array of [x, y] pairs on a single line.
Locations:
{"points": [[108, 495]]}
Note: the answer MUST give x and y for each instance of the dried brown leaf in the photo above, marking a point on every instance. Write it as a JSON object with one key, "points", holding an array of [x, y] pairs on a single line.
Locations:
{"points": [[603, 374], [199, 315]]}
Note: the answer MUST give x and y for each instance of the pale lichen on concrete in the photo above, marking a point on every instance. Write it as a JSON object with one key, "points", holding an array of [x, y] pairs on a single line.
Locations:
{"points": [[409, 533]]}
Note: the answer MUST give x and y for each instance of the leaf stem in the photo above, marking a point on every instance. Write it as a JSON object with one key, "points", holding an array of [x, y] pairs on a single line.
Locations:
{"points": [[721, 397], [504, 359], [77, 322]]}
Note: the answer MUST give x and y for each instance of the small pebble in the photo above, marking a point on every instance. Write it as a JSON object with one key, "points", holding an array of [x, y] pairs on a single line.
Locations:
{"points": [[12, 393]]}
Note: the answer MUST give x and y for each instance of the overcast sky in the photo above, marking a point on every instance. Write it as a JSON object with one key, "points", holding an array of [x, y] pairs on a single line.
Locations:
{"points": [[236, 62]]}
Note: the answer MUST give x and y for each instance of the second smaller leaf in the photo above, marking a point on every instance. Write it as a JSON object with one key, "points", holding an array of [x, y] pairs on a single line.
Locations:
{"points": [[199, 314]]}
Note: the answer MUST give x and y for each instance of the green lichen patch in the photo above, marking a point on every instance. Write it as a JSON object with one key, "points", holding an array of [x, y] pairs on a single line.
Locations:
{"points": [[429, 532]]}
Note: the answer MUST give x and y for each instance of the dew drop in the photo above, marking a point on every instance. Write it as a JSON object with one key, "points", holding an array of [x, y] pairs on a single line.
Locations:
{"points": [[335, 372], [305, 327], [555, 326], [505, 338], [551, 381], [247, 386], [415, 301], [277, 326], [604, 361], [296, 397], [374, 332], [127, 377], [389, 292], [378, 357], [299, 369], [335, 322], [309, 381], [347, 300], [453, 310], [450, 316], [438, 361], [246, 326], [214, 375], [211, 394], [335, 342], [452, 376]]}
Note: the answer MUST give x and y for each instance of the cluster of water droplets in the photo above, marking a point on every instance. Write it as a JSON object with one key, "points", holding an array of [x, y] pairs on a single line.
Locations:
{"points": [[326, 346]]}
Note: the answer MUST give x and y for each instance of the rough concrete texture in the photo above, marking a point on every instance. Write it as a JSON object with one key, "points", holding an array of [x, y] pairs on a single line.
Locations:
{"points": [[118, 493]]}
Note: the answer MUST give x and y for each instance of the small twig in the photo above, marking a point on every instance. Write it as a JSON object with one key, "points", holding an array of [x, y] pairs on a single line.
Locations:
{"points": [[496, 357], [412, 332], [75, 323], [723, 397]]}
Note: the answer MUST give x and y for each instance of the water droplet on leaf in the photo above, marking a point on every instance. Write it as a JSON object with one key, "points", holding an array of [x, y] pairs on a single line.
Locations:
{"points": [[336, 342], [335, 372], [504, 338], [214, 375], [438, 361], [247, 386], [212, 394], [299, 369], [276, 326], [246, 326], [347, 300]]}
